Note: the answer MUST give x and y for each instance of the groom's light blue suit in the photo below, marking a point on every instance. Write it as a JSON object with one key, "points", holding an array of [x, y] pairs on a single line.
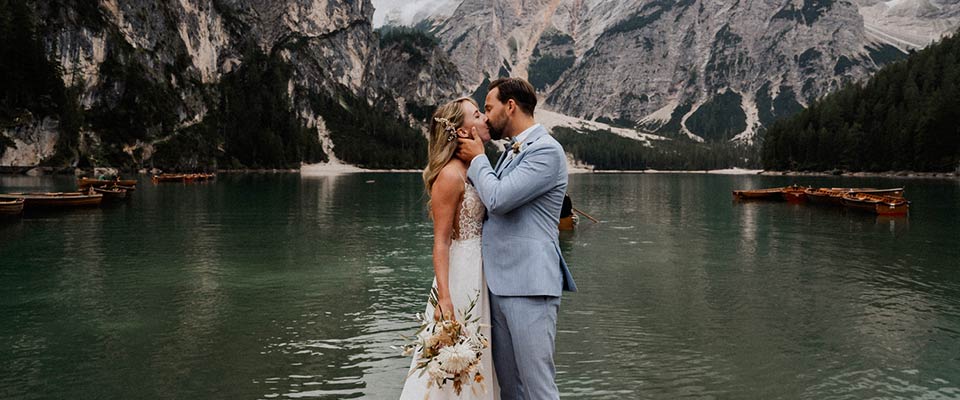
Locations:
{"points": [[524, 269]]}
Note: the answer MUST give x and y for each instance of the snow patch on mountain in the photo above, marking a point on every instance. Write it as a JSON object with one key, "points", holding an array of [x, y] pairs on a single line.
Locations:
{"points": [[908, 24], [660, 117], [551, 119], [749, 106]]}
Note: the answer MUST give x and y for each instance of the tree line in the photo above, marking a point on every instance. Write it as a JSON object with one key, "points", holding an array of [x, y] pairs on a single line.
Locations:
{"points": [[606, 150], [903, 118]]}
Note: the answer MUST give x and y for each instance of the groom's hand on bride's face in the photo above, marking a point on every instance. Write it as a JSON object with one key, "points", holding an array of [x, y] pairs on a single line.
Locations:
{"points": [[470, 146]]}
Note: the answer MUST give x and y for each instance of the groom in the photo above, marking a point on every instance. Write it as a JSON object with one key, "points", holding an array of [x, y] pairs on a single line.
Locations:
{"points": [[524, 270]]}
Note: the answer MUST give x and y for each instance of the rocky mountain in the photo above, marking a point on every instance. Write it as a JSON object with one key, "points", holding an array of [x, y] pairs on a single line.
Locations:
{"points": [[211, 83], [201, 84], [708, 70]]}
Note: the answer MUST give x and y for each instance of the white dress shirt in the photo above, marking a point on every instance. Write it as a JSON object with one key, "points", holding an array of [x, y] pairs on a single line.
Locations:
{"points": [[520, 139]]}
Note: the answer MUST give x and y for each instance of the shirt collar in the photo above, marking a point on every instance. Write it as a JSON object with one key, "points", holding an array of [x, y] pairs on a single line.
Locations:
{"points": [[523, 135]]}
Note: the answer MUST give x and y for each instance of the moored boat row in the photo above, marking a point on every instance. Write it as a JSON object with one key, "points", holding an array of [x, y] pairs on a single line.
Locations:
{"points": [[878, 201], [90, 193]]}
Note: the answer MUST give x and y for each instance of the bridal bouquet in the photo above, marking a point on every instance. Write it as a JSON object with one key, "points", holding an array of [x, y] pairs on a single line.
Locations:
{"points": [[449, 350]]}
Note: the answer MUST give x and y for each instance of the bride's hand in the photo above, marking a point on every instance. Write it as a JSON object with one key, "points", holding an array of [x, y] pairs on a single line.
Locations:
{"points": [[447, 306]]}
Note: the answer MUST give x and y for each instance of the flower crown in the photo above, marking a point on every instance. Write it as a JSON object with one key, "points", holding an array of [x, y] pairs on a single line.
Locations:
{"points": [[448, 128]]}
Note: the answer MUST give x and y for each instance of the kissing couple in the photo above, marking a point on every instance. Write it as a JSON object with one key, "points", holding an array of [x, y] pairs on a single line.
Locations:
{"points": [[496, 241]]}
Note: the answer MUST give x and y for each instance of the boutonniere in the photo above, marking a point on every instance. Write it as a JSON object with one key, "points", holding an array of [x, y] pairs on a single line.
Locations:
{"points": [[516, 147]]}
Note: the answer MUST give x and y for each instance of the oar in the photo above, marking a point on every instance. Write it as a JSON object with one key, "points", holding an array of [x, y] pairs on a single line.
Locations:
{"points": [[586, 215]]}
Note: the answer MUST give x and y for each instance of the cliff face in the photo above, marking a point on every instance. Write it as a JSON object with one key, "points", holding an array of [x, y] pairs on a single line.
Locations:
{"points": [[415, 68], [712, 71], [715, 69], [154, 82]]}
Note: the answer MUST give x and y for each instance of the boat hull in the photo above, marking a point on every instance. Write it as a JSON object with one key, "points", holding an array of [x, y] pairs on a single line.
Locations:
{"points": [[567, 223], [112, 194], [761, 194], [794, 196], [55, 200], [11, 207], [880, 205], [824, 196], [892, 192], [84, 183]]}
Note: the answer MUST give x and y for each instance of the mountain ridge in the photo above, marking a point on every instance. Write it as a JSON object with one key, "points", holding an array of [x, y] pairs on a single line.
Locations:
{"points": [[638, 62]]}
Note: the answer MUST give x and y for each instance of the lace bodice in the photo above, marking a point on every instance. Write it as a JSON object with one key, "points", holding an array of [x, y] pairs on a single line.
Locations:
{"points": [[469, 215]]}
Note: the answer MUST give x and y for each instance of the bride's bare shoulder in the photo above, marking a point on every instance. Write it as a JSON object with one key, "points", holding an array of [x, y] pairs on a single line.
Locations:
{"points": [[452, 175]]}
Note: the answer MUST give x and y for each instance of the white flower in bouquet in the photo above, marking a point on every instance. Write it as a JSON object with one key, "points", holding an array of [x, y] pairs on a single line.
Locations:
{"points": [[435, 372], [475, 338], [455, 359]]}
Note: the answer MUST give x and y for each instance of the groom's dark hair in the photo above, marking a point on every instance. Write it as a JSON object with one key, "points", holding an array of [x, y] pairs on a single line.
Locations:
{"points": [[521, 91]]}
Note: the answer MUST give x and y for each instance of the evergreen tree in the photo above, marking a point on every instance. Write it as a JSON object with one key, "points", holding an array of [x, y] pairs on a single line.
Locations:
{"points": [[901, 119]]}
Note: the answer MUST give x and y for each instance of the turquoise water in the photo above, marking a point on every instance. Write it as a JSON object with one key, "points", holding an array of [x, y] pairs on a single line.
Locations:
{"points": [[276, 285]]}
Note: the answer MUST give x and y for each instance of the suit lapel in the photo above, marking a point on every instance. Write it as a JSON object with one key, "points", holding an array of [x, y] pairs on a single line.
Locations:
{"points": [[499, 167], [535, 135]]}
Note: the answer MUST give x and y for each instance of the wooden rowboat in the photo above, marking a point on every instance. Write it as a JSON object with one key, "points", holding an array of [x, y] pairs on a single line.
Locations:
{"points": [[111, 194], [200, 177], [84, 183], [168, 178], [880, 205], [127, 188], [824, 196], [893, 192], [568, 223], [55, 200], [760, 194], [11, 207], [794, 194]]}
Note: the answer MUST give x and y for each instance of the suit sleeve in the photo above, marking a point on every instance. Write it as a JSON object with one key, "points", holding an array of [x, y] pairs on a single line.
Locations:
{"points": [[535, 175]]}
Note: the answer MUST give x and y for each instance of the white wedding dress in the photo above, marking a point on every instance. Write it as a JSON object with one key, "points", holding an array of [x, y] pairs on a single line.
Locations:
{"points": [[465, 281]]}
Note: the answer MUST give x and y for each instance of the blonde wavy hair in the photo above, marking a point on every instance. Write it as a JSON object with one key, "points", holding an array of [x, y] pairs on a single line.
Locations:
{"points": [[442, 142]]}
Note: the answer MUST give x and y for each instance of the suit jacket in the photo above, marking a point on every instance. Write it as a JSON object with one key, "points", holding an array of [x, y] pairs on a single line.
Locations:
{"points": [[521, 253]]}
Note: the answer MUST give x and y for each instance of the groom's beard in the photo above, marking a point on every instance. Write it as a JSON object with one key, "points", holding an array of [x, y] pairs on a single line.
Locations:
{"points": [[495, 134]]}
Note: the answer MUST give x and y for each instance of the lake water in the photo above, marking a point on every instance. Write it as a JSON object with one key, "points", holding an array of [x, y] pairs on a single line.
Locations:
{"points": [[281, 286]]}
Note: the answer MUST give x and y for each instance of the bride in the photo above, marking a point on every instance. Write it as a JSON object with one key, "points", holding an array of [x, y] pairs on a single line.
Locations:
{"points": [[457, 214]]}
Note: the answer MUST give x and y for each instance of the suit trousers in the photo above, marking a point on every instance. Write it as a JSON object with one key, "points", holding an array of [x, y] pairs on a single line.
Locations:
{"points": [[524, 331]]}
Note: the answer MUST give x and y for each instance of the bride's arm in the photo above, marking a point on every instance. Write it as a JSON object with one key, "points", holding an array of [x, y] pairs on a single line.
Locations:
{"points": [[444, 196]]}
